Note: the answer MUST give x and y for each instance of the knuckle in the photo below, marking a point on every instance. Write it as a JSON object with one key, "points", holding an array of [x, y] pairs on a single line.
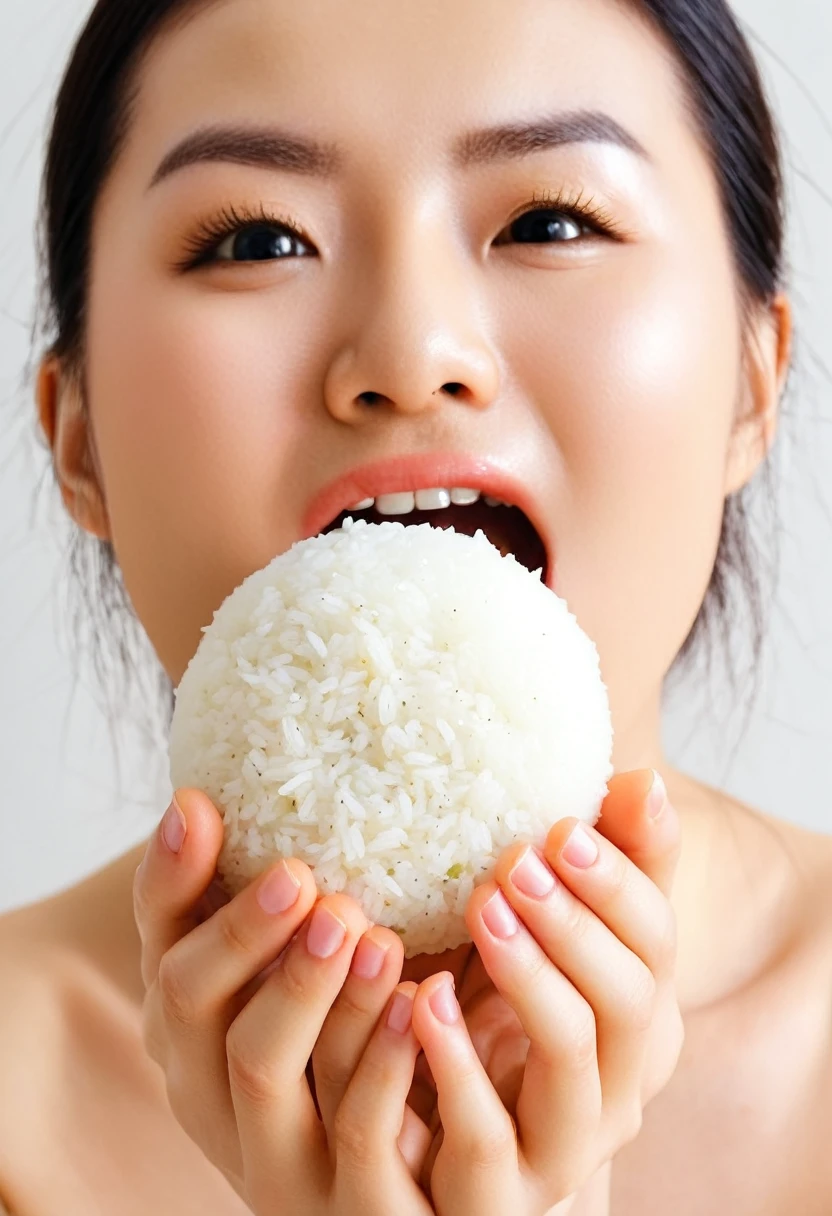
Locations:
{"points": [[353, 1140], [576, 923], [617, 876], [357, 1005], [329, 1073], [177, 1001], [250, 1072], [639, 998], [535, 967], [292, 980], [665, 952], [232, 935], [583, 1041], [491, 1146]]}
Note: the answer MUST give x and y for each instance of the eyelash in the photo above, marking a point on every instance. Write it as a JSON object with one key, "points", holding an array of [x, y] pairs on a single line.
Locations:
{"points": [[212, 232]]}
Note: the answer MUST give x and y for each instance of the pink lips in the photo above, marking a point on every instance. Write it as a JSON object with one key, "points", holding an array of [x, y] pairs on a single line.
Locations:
{"points": [[420, 473]]}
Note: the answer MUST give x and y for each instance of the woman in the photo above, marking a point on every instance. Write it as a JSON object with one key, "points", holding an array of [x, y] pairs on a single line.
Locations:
{"points": [[541, 241]]}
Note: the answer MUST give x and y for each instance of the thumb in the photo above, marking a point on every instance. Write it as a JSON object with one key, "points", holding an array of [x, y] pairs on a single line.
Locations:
{"points": [[639, 819]]}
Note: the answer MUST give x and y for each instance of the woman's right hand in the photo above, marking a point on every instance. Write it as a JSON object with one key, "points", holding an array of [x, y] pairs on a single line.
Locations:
{"points": [[234, 1043]]}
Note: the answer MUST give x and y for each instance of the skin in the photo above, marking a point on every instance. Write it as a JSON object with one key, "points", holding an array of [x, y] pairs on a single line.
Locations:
{"points": [[622, 380]]}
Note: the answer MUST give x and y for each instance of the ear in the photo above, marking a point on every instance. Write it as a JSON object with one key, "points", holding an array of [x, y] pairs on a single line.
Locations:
{"points": [[766, 361], [65, 426]]}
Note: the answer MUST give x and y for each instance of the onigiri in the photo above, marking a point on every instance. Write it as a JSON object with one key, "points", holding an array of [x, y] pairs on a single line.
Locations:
{"points": [[394, 705]]}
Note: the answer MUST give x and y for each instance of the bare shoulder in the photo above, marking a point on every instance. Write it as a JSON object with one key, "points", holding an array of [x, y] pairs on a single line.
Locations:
{"points": [[64, 1018], [745, 1122], [35, 973], [35, 968]]}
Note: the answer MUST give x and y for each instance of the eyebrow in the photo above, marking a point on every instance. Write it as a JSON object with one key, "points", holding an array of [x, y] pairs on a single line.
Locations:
{"points": [[274, 149]]}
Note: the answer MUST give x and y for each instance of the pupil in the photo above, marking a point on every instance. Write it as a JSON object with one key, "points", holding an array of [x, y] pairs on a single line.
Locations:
{"points": [[537, 227], [260, 244]]}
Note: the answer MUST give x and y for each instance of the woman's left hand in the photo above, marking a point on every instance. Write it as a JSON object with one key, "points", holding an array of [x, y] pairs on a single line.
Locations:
{"points": [[545, 1077]]}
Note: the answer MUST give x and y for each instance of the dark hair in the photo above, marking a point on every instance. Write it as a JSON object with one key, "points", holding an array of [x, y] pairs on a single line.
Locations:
{"points": [[92, 115]]}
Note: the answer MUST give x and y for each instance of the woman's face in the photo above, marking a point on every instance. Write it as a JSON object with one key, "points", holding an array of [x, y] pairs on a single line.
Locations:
{"points": [[598, 373]]}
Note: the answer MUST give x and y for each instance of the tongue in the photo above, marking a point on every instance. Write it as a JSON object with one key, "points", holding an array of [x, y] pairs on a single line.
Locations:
{"points": [[508, 528]]}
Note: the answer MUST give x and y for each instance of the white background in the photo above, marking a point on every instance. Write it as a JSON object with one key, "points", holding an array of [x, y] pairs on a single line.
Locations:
{"points": [[63, 811]]}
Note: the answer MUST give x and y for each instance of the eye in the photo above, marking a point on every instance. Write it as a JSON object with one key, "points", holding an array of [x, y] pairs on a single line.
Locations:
{"points": [[562, 221], [261, 243], [243, 235], [543, 227]]}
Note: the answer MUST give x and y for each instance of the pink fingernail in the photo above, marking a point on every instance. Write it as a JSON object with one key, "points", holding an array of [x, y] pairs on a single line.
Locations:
{"points": [[444, 1004], [580, 849], [532, 876], [326, 933], [657, 798], [174, 827], [401, 1013], [279, 890], [498, 917], [368, 959]]}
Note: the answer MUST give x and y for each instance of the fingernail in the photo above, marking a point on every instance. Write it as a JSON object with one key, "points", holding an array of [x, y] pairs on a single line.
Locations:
{"points": [[580, 849], [279, 890], [326, 933], [498, 916], [532, 876], [368, 959], [174, 827], [657, 798], [444, 1004], [401, 1013]]}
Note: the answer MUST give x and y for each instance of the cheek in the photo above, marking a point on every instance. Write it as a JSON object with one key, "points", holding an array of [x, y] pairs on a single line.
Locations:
{"points": [[635, 367], [197, 418]]}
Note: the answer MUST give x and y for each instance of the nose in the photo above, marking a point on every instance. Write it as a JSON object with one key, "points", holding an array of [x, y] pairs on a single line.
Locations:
{"points": [[416, 339]]}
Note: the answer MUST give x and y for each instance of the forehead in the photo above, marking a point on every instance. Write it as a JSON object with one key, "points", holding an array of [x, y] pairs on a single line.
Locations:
{"points": [[403, 77]]}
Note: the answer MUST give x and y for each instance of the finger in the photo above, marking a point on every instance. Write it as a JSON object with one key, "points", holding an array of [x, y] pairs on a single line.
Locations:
{"points": [[377, 1137], [476, 1168], [560, 1101], [202, 973], [375, 970], [638, 818], [200, 987], [614, 981], [626, 899], [271, 1040], [176, 871]]}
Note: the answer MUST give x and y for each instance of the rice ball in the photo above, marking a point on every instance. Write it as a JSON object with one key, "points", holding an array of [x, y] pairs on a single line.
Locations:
{"points": [[394, 705]]}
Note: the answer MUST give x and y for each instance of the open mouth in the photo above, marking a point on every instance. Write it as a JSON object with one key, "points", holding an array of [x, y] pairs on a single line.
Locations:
{"points": [[466, 510]]}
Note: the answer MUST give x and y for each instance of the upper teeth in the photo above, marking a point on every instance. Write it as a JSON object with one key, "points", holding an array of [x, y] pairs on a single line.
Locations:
{"points": [[434, 499]]}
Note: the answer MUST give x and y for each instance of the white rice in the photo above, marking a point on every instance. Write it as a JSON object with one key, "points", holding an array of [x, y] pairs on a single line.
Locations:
{"points": [[393, 705]]}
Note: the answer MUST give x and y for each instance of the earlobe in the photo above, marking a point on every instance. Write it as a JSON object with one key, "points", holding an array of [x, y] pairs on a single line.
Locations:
{"points": [[65, 427], [766, 363]]}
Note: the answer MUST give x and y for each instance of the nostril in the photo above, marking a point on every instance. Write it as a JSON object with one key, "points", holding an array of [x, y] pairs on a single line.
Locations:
{"points": [[370, 398]]}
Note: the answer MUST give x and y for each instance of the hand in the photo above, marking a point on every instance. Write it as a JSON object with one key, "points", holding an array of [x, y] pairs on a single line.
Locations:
{"points": [[238, 1002], [546, 1077]]}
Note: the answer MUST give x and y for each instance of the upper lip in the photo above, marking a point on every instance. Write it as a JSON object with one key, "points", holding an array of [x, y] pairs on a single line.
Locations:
{"points": [[422, 472]]}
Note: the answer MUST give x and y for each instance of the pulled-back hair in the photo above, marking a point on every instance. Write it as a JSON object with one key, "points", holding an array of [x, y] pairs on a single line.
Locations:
{"points": [[92, 116]]}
